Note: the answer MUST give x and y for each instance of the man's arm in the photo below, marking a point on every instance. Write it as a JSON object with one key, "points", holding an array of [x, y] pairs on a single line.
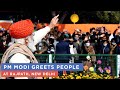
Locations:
{"points": [[38, 35]]}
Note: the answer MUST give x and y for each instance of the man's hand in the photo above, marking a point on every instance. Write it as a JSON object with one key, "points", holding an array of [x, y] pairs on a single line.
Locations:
{"points": [[53, 22]]}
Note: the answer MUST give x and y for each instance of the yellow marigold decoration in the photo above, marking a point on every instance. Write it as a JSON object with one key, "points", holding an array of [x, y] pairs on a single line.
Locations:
{"points": [[72, 77], [80, 74], [72, 73], [78, 77], [91, 69], [87, 75]]}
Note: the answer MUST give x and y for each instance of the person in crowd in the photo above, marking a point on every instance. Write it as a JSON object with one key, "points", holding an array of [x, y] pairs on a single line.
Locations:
{"points": [[90, 50], [3, 44], [113, 49], [77, 44], [105, 49], [118, 48], [62, 48], [73, 50], [100, 41], [88, 35], [42, 47], [57, 37], [94, 39], [77, 31], [51, 48], [65, 32], [113, 46], [92, 30], [116, 35], [1, 34]]}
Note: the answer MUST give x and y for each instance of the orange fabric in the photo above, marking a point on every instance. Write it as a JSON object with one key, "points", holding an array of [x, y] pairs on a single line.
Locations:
{"points": [[86, 27], [38, 26], [5, 25], [21, 29]]}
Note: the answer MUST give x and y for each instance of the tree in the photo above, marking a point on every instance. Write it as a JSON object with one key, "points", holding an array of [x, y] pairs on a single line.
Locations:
{"points": [[99, 17], [108, 16]]}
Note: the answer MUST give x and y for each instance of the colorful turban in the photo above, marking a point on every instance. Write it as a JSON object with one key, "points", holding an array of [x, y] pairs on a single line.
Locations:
{"points": [[21, 29]]}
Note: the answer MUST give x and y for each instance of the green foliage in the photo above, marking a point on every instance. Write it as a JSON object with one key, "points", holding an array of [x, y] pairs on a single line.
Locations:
{"points": [[100, 17], [109, 16]]}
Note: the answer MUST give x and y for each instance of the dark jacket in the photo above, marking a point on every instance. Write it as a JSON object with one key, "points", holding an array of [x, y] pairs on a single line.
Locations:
{"points": [[117, 37], [117, 50], [62, 48], [105, 49]]}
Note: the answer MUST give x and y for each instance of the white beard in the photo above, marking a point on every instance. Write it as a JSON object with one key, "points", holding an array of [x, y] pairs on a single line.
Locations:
{"points": [[31, 44]]}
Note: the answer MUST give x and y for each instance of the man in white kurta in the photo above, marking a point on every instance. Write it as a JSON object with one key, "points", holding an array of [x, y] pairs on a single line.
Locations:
{"points": [[32, 40]]}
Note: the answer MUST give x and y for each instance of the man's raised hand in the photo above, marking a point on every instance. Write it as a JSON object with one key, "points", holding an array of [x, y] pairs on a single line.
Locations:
{"points": [[53, 22]]}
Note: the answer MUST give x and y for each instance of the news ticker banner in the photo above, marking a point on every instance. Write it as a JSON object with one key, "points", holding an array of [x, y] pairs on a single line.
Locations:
{"points": [[38, 70]]}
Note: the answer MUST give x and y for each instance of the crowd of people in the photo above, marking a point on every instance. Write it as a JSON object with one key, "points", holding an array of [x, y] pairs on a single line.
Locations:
{"points": [[97, 41]]}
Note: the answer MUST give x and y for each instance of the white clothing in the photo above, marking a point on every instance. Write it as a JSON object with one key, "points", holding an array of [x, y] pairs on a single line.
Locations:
{"points": [[21, 58], [111, 36]]}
